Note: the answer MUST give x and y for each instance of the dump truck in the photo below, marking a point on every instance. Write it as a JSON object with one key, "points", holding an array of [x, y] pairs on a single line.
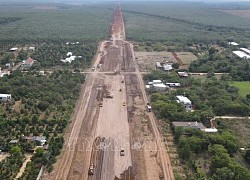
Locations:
{"points": [[101, 104], [122, 152], [91, 169], [108, 95], [149, 108]]}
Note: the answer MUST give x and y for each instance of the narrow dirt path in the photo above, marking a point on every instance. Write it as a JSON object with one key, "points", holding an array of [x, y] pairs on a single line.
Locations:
{"points": [[22, 169]]}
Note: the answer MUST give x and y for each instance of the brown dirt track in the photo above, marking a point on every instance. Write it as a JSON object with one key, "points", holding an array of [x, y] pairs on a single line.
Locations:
{"points": [[98, 133]]}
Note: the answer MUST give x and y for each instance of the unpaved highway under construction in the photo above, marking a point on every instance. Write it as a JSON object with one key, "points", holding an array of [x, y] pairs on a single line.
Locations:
{"points": [[110, 116]]}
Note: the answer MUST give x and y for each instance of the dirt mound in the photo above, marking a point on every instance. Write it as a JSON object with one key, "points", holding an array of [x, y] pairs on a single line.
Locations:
{"points": [[127, 175]]}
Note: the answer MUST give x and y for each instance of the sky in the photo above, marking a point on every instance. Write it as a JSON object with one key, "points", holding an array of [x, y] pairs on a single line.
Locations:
{"points": [[89, 1]]}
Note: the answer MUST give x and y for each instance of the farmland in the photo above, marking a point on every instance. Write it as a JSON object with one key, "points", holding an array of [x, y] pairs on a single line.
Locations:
{"points": [[62, 23], [182, 22], [244, 87]]}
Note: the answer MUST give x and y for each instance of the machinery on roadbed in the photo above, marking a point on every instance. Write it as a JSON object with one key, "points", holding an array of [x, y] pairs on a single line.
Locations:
{"points": [[91, 169], [149, 108], [108, 95], [101, 104], [122, 152]]}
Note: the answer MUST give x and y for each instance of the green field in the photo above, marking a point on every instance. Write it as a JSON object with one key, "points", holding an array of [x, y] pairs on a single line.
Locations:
{"points": [[243, 86]]}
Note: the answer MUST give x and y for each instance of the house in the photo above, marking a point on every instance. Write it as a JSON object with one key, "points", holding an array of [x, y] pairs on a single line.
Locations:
{"points": [[41, 73], [7, 65], [158, 65], [233, 43], [13, 49], [247, 51], [159, 87], [69, 54], [27, 63], [157, 82], [185, 101], [5, 97], [31, 48], [14, 141], [40, 139], [183, 74], [167, 67], [5, 72], [193, 125], [173, 84], [241, 54], [156, 85]]}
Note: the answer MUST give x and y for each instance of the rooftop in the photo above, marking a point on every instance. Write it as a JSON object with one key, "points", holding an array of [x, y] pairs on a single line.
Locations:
{"points": [[29, 61], [195, 125], [241, 54], [157, 81], [245, 50], [183, 99], [160, 85], [183, 74], [233, 43]]}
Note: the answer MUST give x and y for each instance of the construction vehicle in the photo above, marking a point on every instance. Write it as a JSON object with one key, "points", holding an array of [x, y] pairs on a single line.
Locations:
{"points": [[109, 95], [101, 104], [91, 169], [149, 108], [122, 152], [124, 103]]}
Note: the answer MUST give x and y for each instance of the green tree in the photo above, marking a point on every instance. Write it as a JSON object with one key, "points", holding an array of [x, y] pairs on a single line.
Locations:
{"points": [[15, 151]]}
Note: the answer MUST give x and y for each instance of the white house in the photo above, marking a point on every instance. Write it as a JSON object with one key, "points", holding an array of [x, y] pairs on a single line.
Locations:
{"points": [[69, 54], [160, 87], [185, 101], [5, 97], [156, 85], [246, 50], [167, 67], [31, 48], [13, 49], [233, 43], [241, 54], [157, 82]]}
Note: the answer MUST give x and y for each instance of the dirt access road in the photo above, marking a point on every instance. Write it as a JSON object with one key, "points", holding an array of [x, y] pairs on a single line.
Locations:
{"points": [[110, 116]]}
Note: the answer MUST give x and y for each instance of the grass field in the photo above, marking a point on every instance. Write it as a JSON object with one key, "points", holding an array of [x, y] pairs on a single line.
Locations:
{"points": [[54, 23], [234, 126], [243, 86]]}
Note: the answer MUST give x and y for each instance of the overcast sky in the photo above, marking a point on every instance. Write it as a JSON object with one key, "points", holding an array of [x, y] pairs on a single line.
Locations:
{"points": [[89, 1]]}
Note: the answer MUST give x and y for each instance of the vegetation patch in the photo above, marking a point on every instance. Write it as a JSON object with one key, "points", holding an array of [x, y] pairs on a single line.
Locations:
{"points": [[47, 103], [244, 87]]}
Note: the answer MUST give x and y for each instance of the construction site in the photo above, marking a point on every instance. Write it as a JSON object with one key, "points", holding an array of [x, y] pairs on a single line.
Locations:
{"points": [[112, 136]]}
